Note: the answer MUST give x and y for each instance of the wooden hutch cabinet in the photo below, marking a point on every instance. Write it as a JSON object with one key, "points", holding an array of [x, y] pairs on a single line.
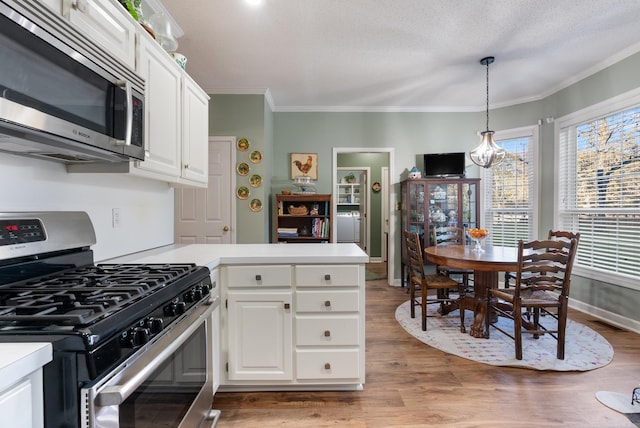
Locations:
{"points": [[425, 203], [303, 218]]}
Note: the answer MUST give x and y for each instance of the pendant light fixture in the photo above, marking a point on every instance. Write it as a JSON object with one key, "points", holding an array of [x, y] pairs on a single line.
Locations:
{"points": [[488, 153]]}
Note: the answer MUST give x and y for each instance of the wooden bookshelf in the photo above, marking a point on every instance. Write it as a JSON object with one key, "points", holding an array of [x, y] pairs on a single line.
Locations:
{"points": [[303, 218]]}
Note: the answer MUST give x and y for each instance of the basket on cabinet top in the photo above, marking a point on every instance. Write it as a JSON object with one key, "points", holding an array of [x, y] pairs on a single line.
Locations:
{"points": [[299, 210]]}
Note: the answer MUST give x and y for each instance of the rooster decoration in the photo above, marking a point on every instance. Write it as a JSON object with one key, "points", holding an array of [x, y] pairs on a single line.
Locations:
{"points": [[304, 168]]}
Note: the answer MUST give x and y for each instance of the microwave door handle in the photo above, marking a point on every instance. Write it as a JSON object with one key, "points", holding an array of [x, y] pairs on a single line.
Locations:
{"points": [[129, 120]]}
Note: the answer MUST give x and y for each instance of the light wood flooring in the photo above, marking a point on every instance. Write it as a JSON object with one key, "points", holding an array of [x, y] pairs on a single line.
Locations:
{"points": [[409, 384]]}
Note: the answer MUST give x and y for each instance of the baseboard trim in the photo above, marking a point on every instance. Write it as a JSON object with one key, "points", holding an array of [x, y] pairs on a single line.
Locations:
{"points": [[606, 316]]}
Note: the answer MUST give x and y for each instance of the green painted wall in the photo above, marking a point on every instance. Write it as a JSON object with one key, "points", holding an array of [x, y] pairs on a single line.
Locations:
{"points": [[247, 116]]}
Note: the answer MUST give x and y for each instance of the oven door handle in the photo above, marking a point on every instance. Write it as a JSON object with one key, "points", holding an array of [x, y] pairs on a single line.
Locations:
{"points": [[114, 395]]}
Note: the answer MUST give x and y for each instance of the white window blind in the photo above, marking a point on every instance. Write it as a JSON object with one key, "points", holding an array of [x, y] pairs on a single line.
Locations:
{"points": [[598, 195], [510, 188]]}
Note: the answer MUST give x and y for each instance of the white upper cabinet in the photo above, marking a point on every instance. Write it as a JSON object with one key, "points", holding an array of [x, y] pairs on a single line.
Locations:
{"points": [[105, 22], [176, 125], [195, 131], [162, 127]]}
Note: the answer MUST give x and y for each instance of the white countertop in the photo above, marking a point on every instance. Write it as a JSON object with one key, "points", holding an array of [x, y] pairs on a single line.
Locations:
{"points": [[18, 360], [212, 255]]}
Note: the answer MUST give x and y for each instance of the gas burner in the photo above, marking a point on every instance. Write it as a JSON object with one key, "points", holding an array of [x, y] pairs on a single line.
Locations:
{"points": [[84, 295]]}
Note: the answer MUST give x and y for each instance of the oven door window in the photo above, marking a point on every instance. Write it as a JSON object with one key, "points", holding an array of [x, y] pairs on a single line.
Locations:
{"points": [[164, 399]]}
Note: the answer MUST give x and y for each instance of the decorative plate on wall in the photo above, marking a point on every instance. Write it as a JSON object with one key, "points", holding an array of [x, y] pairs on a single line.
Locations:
{"points": [[243, 168], [255, 205], [255, 156], [255, 180], [243, 144], [243, 192]]}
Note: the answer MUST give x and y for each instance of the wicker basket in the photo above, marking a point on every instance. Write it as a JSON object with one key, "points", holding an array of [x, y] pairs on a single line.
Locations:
{"points": [[300, 210]]}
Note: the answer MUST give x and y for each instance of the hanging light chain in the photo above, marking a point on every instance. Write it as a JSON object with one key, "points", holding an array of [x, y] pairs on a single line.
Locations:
{"points": [[487, 62]]}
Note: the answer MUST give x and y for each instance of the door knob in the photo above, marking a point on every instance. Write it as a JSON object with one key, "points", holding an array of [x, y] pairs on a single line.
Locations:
{"points": [[226, 228]]}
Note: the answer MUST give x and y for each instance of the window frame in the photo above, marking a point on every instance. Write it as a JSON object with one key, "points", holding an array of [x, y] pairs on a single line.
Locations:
{"points": [[533, 133], [625, 101]]}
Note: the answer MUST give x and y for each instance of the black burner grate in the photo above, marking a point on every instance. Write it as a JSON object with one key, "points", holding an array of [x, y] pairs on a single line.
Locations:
{"points": [[80, 296]]}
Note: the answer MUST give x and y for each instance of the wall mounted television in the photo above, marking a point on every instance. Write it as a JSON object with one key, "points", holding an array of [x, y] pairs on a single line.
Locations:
{"points": [[444, 164]]}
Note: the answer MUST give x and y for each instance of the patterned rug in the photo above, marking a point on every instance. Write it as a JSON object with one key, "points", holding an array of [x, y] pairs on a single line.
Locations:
{"points": [[585, 349]]}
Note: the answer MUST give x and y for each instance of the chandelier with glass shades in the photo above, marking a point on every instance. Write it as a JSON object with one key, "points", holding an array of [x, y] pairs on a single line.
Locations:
{"points": [[488, 153]]}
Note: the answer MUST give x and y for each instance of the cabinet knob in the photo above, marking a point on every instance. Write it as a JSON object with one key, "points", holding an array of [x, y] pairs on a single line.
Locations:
{"points": [[327, 366], [327, 333], [327, 303], [327, 277], [287, 305], [186, 166], [258, 277], [225, 229]]}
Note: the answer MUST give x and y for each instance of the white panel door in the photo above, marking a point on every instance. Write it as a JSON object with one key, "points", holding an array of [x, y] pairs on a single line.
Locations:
{"points": [[206, 216]]}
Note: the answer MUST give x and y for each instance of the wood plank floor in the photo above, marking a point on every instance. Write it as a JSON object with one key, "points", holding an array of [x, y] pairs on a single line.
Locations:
{"points": [[409, 384]]}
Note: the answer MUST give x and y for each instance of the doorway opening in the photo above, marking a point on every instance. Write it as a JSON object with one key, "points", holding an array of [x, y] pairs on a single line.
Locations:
{"points": [[380, 191]]}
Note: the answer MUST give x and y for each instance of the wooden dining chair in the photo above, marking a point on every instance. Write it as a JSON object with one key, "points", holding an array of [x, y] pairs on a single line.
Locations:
{"points": [[419, 279], [451, 235], [553, 234], [542, 285]]}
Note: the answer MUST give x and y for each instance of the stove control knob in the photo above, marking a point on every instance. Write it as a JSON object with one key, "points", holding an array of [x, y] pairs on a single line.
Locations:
{"points": [[170, 309], [141, 336], [197, 294], [189, 296], [155, 325], [180, 308], [127, 339]]}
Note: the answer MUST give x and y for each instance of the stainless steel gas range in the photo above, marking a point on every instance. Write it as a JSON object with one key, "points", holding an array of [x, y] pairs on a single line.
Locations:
{"points": [[131, 342]]}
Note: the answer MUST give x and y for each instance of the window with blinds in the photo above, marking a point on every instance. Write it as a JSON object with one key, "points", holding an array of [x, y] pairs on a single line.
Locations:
{"points": [[510, 188], [599, 187]]}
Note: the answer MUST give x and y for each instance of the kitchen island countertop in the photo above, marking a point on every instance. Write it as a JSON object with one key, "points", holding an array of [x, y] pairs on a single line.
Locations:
{"points": [[212, 255], [18, 360]]}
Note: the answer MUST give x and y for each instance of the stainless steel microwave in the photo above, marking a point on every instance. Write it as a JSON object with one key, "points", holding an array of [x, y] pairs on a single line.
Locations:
{"points": [[62, 97]]}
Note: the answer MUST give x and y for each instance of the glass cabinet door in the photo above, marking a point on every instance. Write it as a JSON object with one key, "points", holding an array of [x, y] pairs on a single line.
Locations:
{"points": [[470, 205], [416, 208]]}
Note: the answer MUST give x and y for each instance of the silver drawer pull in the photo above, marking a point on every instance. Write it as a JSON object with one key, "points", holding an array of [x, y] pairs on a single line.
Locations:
{"points": [[258, 277], [327, 333], [327, 277], [327, 366], [327, 303]]}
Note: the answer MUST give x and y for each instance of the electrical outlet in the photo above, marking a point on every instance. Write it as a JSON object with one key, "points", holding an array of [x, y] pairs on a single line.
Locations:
{"points": [[116, 218]]}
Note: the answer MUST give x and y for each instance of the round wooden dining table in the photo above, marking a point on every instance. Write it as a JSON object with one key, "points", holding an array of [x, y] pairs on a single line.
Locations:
{"points": [[485, 266]]}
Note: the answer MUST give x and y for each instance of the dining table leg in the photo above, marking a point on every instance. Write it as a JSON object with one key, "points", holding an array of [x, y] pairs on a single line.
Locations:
{"points": [[482, 282]]}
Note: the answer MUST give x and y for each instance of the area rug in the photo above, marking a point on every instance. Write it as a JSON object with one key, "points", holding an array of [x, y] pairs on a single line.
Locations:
{"points": [[620, 403], [585, 349]]}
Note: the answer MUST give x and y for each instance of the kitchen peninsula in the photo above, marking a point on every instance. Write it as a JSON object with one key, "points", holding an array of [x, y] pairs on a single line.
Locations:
{"points": [[293, 315]]}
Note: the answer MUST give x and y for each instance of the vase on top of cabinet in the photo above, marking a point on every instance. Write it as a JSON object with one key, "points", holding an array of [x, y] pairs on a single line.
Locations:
{"points": [[426, 203]]}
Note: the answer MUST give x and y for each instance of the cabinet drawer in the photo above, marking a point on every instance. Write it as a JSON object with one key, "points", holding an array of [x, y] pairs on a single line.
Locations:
{"points": [[259, 276], [327, 275], [334, 364], [325, 330], [327, 301]]}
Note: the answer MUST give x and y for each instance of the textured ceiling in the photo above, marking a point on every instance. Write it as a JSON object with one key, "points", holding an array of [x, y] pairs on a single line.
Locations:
{"points": [[401, 55]]}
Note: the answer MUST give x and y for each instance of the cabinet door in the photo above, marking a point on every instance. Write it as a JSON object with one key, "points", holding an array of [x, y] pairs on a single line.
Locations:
{"points": [[162, 112], [195, 131], [260, 336], [105, 23]]}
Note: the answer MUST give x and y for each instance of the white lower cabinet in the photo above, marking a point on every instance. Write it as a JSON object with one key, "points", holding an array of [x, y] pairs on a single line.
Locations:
{"points": [[21, 384], [260, 336], [298, 326]]}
